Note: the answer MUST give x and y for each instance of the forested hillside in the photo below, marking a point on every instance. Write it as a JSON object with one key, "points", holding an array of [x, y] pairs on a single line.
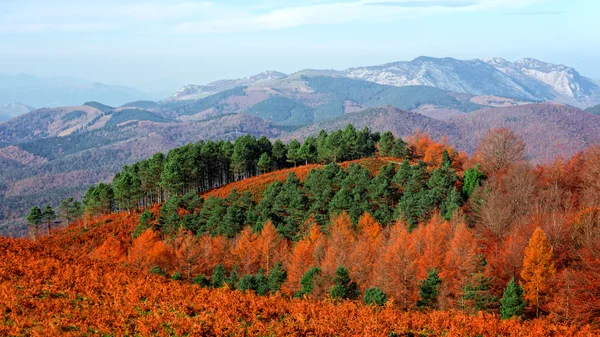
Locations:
{"points": [[406, 236]]}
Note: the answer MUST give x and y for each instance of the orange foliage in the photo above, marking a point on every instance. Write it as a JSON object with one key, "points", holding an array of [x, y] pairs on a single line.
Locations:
{"points": [[398, 267], [148, 251], [341, 244], [246, 256], [460, 265], [306, 253], [98, 298], [272, 248], [538, 268], [432, 242], [366, 251], [110, 250], [187, 253]]}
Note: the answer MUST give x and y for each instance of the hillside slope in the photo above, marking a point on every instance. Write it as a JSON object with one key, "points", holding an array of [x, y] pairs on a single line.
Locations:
{"points": [[549, 130], [401, 123]]}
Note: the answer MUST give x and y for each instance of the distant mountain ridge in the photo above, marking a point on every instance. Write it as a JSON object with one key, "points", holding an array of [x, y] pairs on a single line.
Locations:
{"points": [[10, 110], [63, 91], [528, 79], [192, 91]]}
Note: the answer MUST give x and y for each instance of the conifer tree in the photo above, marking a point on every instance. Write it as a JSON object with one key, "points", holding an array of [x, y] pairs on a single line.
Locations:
{"points": [[48, 216], [386, 144], [218, 276], [429, 290], [374, 296], [512, 302], [344, 287], [277, 276], [306, 282], [34, 219]]}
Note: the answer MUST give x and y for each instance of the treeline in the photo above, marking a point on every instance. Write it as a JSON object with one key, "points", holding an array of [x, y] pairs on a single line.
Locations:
{"points": [[199, 167]]}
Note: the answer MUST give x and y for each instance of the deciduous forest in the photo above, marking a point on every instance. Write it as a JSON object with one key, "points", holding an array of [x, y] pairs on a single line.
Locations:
{"points": [[346, 233]]}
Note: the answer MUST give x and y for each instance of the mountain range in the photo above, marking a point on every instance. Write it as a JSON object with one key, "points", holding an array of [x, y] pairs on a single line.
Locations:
{"points": [[527, 78], [51, 153]]}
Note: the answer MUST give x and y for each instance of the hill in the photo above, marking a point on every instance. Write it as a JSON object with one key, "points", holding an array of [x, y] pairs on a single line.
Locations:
{"points": [[66, 164], [594, 109], [423, 241], [400, 123]]}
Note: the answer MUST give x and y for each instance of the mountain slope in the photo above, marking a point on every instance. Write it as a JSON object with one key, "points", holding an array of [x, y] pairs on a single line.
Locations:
{"points": [[549, 130], [193, 91], [401, 123], [475, 77], [594, 109]]}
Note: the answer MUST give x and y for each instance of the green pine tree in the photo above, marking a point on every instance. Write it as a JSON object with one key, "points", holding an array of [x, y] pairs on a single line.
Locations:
{"points": [[512, 303], [429, 290], [374, 296], [344, 287], [218, 276], [277, 276], [306, 282]]}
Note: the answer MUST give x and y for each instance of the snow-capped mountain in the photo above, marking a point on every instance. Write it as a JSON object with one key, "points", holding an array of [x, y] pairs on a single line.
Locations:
{"points": [[193, 91], [556, 82], [527, 78]]}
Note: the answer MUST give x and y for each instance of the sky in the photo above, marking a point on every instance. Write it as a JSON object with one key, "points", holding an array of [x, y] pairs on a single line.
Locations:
{"points": [[162, 45]]}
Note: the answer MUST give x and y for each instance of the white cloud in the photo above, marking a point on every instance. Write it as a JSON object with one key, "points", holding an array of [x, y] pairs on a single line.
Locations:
{"points": [[195, 17]]}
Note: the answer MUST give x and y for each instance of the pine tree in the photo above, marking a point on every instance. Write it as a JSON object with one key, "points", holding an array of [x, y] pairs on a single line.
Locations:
{"points": [[34, 219], [385, 144], [374, 296], [344, 287], [48, 216], [512, 303], [429, 290], [538, 269], [202, 281], [218, 276], [306, 282], [293, 152], [265, 163], [472, 179], [145, 219], [277, 276]]}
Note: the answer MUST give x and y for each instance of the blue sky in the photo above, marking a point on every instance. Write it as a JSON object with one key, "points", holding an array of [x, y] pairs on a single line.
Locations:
{"points": [[164, 44]]}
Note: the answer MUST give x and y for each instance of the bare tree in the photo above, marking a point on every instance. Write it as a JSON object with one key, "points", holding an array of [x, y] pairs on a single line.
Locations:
{"points": [[500, 149]]}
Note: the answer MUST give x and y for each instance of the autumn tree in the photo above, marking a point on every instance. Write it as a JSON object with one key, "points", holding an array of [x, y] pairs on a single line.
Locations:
{"points": [[148, 251], [512, 302], [397, 269], [460, 264], [499, 149], [538, 269]]}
